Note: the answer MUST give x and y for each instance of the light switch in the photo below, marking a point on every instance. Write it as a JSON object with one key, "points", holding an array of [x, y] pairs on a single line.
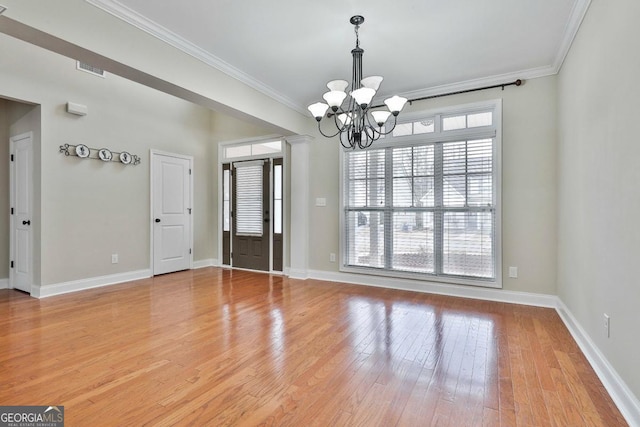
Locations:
{"points": [[321, 201]]}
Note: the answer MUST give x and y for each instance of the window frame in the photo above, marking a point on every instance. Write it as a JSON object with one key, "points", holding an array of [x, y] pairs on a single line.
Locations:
{"points": [[438, 136]]}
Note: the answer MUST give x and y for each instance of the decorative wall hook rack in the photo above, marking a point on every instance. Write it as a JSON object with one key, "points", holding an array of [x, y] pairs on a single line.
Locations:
{"points": [[103, 154]]}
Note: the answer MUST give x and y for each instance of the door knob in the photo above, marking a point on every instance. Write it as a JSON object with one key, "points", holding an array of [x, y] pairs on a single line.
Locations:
{"points": [[27, 222], [157, 219]]}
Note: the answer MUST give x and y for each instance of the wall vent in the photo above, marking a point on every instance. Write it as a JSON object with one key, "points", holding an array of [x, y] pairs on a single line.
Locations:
{"points": [[87, 68]]}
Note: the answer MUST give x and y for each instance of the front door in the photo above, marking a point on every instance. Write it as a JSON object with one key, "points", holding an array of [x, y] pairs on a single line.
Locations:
{"points": [[171, 190], [21, 240], [251, 215]]}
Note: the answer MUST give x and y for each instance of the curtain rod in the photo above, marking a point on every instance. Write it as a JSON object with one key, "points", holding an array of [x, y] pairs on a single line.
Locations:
{"points": [[501, 85]]}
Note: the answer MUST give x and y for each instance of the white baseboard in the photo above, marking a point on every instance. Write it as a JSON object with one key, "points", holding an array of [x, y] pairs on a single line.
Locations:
{"points": [[203, 263], [83, 284], [297, 273], [476, 292], [4, 283], [627, 403]]}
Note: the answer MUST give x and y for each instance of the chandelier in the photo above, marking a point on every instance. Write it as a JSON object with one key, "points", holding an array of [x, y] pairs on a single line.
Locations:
{"points": [[356, 122]]}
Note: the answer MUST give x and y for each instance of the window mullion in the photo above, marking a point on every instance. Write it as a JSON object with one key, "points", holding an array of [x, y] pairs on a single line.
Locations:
{"points": [[388, 212], [466, 173], [438, 214]]}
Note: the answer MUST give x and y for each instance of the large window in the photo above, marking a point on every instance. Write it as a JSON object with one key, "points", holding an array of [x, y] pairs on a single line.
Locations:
{"points": [[425, 202]]}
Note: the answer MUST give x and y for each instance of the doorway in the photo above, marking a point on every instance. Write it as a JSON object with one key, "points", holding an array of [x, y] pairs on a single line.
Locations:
{"points": [[252, 199], [21, 211], [253, 214]]}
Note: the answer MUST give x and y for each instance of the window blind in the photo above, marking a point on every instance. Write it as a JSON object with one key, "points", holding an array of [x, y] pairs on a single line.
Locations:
{"points": [[249, 187], [427, 209]]}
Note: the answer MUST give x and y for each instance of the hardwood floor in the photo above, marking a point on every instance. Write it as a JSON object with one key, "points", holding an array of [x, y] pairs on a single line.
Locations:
{"points": [[219, 347]]}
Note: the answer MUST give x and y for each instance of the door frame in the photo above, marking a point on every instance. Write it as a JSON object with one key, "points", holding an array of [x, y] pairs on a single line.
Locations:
{"points": [[152, 153], [12, 203], [284, 155]]}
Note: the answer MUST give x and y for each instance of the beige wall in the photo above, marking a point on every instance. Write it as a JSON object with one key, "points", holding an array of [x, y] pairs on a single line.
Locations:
{"points": [[598, 178], [92, 209], [528, 185], [139, 56]]}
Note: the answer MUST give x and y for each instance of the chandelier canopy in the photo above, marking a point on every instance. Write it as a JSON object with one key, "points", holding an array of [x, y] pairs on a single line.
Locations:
{"points": [[356, 121]]}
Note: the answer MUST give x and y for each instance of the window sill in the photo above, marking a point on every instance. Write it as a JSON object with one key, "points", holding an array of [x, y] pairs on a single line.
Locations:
{"points": [[452, 280]]}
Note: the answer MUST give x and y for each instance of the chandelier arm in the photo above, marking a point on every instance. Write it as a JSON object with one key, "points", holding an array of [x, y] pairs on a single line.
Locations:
{"points": [[395, 122], [373, 125], [365, 142], [341, 127], [372, 134], [349, 134], [345, 145], [324, 134]]}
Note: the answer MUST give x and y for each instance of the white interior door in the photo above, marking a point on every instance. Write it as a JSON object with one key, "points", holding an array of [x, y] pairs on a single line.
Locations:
{"points": [[21, 240], [171, 190]]}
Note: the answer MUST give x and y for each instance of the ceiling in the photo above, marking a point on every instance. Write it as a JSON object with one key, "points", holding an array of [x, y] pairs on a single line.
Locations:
{"points": [[289, 49]]}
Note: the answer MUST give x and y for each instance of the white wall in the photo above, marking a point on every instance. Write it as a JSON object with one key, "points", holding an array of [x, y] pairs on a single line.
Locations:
{"points": [[528, 185], [598, 179], [92, 209]]}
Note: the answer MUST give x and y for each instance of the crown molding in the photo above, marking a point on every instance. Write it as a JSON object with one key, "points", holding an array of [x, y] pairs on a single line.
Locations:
{"points": [[477, 83], [128, 15], [578, 13], [132, 17]]}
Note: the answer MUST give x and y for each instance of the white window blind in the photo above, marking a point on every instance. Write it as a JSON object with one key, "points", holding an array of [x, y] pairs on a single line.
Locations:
{"points": [[428, 208], [249, 187]]}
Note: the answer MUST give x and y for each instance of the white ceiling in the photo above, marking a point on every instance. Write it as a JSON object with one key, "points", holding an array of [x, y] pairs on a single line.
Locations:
{"points": [[289, 49]]}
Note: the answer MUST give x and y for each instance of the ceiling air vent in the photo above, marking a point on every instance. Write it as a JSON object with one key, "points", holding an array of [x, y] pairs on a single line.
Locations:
{"points": [[83, 66]]}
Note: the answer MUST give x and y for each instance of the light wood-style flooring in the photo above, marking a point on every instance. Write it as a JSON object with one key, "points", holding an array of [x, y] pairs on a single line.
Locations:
{"points": [[218, 347]]}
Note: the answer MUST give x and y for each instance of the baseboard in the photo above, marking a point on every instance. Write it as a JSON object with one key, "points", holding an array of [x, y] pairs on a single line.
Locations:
{"points": [[90, 283], [297, 273], [489, 294], [4, 283], [203, 263], [627, 402]]}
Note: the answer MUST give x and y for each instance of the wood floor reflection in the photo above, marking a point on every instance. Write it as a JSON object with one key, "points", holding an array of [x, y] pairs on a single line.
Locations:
{"points": [[219, 347]]}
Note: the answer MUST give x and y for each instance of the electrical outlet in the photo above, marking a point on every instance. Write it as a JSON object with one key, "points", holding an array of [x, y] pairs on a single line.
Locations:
{"points": [[513, 272], [332, 257], [607, 325], [114, 258]]}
